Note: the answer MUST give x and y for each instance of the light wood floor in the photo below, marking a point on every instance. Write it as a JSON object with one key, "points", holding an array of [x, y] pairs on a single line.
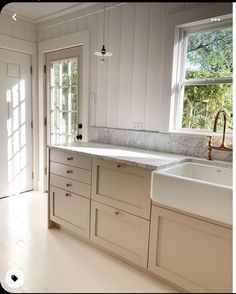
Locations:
{"points": [[55, 261]]}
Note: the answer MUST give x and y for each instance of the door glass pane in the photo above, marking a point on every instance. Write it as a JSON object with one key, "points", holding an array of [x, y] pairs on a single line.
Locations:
{"points": [[74, 98], [65, 75], [64, 126], [55, 122], [54, 75], [64, 100], [73, 123], [55, 98], [74, 72]]}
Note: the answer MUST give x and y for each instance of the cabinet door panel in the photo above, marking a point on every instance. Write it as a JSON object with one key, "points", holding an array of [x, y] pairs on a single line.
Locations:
{"points": [[120, 232], [70, 210], [122, 186], [191, 253]]}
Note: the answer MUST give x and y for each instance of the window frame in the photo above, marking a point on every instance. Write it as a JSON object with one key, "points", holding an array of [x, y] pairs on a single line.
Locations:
{"points": [[182, 32]]}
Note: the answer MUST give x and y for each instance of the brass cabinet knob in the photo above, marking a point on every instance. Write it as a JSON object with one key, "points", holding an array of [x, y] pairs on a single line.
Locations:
{"points": [[68, 195], [68, 185], [117, 165], [69, 158], [69, 171], [116, 212]]}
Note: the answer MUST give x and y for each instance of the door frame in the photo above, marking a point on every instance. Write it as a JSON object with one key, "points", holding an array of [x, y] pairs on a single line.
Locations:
{"points": [[63, 42], [29, 48]]}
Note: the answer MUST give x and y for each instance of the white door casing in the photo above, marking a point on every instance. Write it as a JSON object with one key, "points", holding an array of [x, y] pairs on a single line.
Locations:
{"points": [[64, 88], [15, 123]]}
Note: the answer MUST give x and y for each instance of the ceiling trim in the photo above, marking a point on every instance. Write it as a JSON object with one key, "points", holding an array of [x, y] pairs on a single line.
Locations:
{"points": [[51, 16], [92, 9]]}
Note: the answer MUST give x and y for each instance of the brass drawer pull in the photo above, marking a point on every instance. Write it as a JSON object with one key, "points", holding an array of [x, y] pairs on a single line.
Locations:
{"points": [[69, 171], [116, 212], [68, 185], [68, 195], [69, 158], [117, 165]]}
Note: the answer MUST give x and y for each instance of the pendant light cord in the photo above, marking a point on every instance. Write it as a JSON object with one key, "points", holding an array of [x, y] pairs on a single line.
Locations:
{"points": [[104, 24]]}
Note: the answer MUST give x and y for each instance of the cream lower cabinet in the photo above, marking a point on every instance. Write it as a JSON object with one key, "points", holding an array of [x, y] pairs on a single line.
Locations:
{"points": [[191, 253], [122, 186], [120, 209], [70, 210], [69, 191], [120, 232]]}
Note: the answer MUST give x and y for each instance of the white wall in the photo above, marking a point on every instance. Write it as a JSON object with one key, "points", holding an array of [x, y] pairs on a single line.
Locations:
{"points": [[19, 29], [135, 84]]}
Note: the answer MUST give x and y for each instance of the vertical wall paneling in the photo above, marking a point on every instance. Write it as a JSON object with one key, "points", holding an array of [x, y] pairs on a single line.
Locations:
{"points": [[82, 24], [155, 65], [72, 26], [93, 25], [140, 58], [63, 29], [126, 65], [114, 66], [102, 75]]}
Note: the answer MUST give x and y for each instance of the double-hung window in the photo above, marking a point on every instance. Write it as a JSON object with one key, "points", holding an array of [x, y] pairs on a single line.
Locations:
{"points": [[205, 71]]}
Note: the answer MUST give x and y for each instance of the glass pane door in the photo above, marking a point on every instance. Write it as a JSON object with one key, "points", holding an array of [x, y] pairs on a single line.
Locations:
{"points": [[64, 100]]}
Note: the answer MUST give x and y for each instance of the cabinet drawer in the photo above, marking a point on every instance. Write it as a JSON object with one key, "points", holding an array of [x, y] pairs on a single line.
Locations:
{"points": [[123, 186], [70, 210], [70, 185], [191, 253], [71, 159], [120, 232], [74, 173]]}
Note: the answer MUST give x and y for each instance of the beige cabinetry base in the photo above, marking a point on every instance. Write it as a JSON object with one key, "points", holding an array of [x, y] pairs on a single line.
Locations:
{"points": [[191, 253], [120, 232]]}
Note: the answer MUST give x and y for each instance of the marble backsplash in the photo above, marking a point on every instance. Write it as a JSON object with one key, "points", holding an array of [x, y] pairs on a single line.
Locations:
{"points": [[190, 145]]}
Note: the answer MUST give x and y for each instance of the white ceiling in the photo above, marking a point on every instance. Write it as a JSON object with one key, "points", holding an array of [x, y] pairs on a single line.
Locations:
{"points": [[38, 12]]}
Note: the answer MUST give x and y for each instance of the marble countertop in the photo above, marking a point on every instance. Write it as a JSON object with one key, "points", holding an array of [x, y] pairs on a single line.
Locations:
{"points": [[138, 157]]}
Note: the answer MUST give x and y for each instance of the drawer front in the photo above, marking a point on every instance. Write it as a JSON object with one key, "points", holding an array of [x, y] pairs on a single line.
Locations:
{"points": [[70, 210], [72, 159], [122, 186], [191, 253], [120, 232], [70, 185], [70, 172]]}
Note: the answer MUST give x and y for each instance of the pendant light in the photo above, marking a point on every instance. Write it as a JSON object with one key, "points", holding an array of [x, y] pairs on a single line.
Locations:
{"points": [[103, 53]]}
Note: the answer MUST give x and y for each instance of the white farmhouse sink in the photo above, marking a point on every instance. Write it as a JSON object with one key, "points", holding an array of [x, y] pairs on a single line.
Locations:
{"points": [[201, 189]]}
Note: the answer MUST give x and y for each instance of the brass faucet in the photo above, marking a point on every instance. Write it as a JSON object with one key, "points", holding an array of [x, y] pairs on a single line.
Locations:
{"points": [[222, 147]]}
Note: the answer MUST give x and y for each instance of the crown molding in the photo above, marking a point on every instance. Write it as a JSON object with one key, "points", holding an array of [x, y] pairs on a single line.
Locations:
{"points": [[86, 11]]}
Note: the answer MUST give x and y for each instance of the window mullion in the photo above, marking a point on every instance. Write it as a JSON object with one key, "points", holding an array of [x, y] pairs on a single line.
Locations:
{"points": [[207, 81]]}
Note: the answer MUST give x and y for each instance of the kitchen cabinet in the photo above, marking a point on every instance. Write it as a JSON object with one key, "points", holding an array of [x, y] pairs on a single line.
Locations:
{"points": [[122, 186], [69, 191], [191, 253]]}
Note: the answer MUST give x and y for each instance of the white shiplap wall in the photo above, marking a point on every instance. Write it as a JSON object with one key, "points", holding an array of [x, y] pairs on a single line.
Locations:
{"points": [[20, 29], [128, 88]]}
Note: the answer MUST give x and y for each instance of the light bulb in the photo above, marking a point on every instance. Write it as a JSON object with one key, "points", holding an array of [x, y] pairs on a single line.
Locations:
{"points": [[102, 59]]}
